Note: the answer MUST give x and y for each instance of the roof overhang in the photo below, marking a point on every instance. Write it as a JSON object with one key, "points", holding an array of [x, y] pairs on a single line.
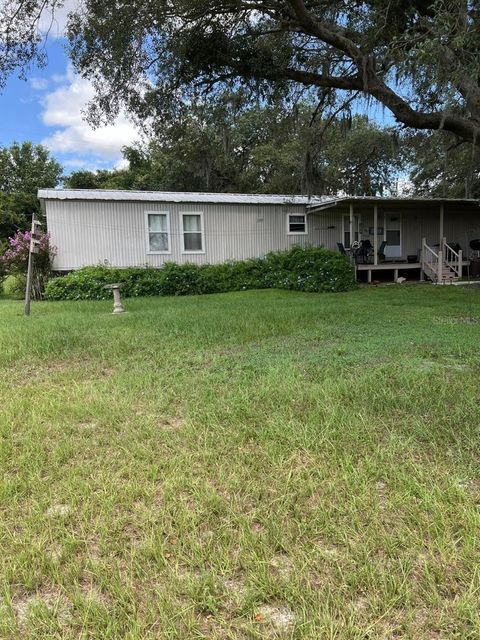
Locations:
{"points": [[367, 201], [178, 197], [312, 204]]}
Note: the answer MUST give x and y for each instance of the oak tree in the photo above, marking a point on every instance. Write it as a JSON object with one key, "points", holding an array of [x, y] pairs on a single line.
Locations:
{"points": [[418, 58]]}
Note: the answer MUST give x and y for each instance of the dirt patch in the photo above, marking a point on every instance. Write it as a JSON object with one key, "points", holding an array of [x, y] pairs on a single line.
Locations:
{"points": [[172, 423], [107, 371], [282, 566], [92, 592], [25, 375], [381, 489], [55, 552], [49, 597], [87, 424], [275, 619], [361, 605], [214, 629], [235, 592], [470, 486], [235, 586], [93, 551], [328, 550], [58, 511], [257, 528], [432, 365]]}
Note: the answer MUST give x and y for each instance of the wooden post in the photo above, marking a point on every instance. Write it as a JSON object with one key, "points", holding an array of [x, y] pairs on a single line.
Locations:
{"points": [[28, 290], [460, 263], [440, 266], [351, 226], [441, 225], [422, 259], [375, 234], [33, 248]]}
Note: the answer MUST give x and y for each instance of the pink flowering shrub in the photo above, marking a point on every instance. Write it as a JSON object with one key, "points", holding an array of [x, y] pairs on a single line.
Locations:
{"points": [[14, 260]]}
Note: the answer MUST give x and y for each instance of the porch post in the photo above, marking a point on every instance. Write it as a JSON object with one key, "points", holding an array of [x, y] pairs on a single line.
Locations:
{"points": [[375, 234], [441, 225], [440, 266], [351, 225]]}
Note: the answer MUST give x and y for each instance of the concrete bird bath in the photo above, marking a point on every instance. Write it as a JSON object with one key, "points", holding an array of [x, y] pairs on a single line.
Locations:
{"points": [[117, 302]]}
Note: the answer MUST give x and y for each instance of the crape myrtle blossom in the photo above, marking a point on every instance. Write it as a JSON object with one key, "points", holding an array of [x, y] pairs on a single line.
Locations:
{"points": [[14, 260]]}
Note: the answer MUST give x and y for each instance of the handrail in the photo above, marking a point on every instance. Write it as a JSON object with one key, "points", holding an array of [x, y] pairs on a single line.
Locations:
{"points": [[453, 258], [444, 265], [431, 261], [450, 250], [430, 250]]}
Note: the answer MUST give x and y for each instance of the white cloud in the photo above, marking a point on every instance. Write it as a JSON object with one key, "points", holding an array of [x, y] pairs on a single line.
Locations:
{"points": [[122, 164], [57, 78], [64, 109], [38, 84], [53, 21], [75, 163]]}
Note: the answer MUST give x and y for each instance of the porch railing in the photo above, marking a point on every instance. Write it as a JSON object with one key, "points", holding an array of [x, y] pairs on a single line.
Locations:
{"points": [[444, 265], [453, 259], [432, 262]]}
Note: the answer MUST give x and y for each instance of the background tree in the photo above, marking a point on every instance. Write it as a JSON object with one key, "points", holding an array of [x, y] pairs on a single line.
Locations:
{"points": [[243, 147], [441, 167], [23, 169]]}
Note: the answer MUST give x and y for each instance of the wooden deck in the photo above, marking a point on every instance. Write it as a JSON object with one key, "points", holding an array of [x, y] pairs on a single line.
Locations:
{"points": [[395, 267]]}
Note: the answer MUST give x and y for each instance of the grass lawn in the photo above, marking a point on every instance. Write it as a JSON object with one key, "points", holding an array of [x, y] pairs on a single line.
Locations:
{"points": [[249, 465]]}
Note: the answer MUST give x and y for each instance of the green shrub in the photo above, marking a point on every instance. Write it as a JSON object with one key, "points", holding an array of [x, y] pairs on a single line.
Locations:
{"points": [[14, 286], [311, 269]]}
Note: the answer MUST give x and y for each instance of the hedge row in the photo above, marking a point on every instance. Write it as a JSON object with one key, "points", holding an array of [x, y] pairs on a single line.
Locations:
{"points": [[311, 269]]}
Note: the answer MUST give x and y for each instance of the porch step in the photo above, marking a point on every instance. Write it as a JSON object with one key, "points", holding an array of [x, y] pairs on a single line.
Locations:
{"points": [[447, 275]]}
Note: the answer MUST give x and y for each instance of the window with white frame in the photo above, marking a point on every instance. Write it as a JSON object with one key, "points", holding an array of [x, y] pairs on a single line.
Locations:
{"points": [[192, 232], [297, 223], [158, 232]]}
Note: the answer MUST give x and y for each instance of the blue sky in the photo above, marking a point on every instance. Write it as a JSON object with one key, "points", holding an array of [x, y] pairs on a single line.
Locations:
{"points": [[47, 108]]}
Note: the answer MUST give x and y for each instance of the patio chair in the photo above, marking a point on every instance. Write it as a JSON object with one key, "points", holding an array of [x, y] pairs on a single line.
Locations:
{"points": [[362, 256], [381, 251]]}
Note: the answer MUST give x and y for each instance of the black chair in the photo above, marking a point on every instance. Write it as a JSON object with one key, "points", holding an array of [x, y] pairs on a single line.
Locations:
{"points": [[475, 246], [362, 256], [341, 248], [381, 251]]}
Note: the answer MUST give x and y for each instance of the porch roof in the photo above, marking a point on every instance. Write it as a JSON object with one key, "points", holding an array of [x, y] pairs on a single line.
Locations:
{"points": [[363, 202]]}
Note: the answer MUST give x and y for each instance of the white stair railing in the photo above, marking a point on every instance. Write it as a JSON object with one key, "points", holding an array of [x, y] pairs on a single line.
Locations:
{"points": [[431, 262], [442, 266], [453, 259]]}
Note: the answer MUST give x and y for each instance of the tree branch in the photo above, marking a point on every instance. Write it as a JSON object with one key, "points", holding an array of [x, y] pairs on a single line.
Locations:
{"points": [[309, 79]]}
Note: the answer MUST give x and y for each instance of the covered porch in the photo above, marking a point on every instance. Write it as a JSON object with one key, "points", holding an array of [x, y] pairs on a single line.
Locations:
{"points": [[410, 237]]}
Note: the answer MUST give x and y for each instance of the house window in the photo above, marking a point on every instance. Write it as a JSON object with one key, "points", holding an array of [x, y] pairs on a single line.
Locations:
{"points": [[297, 223], [158, 232], [192, 232]]}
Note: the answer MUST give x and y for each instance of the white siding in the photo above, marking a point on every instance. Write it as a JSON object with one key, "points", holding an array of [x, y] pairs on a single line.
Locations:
{"points": [[459, 226], [89, 232], [92, 232]]}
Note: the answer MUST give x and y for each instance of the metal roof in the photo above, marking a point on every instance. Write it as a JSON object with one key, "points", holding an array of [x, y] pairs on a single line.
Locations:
{"points": [[339, 200], [171, 196], [312, 203]]}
